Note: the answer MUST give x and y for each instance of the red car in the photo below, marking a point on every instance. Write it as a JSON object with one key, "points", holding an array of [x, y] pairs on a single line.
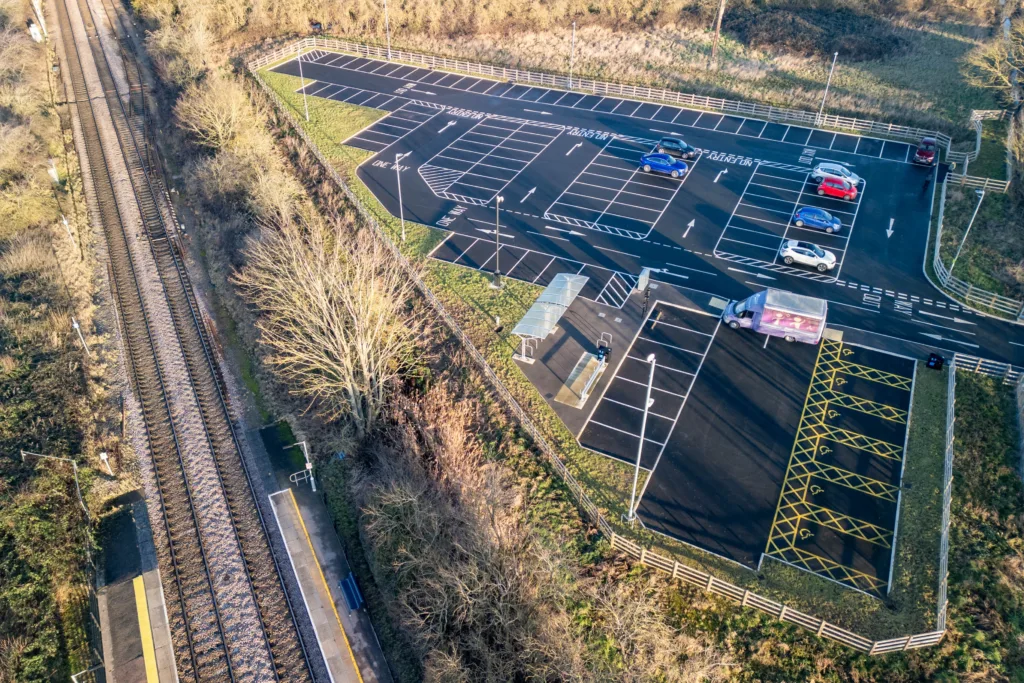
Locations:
{"points": [[926, 152], [837, 187]]}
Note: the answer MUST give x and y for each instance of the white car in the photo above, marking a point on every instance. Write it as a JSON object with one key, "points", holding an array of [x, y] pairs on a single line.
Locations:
{"points": [[807, 254], [832, 170]]}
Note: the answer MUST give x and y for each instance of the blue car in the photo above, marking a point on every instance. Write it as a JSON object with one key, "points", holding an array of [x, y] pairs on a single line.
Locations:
{"points": [[663, 163], [814, 217]]}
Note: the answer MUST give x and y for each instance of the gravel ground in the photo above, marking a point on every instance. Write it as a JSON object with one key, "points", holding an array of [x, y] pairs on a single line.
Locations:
{"points": [[240, 620]]}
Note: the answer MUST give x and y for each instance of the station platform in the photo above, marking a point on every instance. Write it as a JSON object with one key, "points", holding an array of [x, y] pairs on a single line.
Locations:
{"points": [[133, 620], [345, 636]]}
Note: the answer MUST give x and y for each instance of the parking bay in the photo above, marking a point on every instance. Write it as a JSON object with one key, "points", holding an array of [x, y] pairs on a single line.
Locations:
{"points": [[736, 420]]}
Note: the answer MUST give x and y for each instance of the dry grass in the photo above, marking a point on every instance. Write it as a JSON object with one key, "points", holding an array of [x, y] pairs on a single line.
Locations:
{"points": [[28, 254], [483, 596], [920, 85]]}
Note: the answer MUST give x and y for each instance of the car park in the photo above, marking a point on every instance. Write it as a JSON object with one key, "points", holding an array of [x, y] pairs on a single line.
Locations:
{"points": [[813, 217], [807, 254], [927, 152], [677, 148], [829, 169], [663, 163], [837, 187]]}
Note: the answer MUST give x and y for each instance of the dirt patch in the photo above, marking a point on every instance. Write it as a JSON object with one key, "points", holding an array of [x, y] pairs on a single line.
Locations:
{"points": [[809, 32]]}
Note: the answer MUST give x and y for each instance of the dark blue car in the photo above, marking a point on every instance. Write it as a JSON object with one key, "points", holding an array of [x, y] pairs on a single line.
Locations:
{"points": [[663, 163], [814, 217]]}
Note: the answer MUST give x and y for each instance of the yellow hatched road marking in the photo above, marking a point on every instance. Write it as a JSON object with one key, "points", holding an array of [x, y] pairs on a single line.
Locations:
{"points": [[852, 480], [856, 440], [145, 630], [831, 569], [868, 407], [793, 507], [871, 374]]}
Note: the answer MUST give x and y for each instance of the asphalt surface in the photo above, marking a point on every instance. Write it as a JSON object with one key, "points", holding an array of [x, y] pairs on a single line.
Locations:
{"points": [[748, 462], [563, 163]]}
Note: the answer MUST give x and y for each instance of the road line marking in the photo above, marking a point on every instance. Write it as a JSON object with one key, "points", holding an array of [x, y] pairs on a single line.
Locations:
{"points": [[623, 431]]}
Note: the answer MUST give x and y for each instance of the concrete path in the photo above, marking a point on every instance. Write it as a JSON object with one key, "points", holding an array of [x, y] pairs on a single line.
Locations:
{"points": [[133, 620], [346, 639]]}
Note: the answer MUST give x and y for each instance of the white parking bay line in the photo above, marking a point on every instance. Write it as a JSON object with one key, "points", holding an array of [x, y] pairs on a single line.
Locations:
{"points": [[700, 365], [623, 431]]}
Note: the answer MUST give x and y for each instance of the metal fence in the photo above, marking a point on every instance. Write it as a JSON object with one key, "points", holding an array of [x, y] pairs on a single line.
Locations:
{"points": [[947, 497], [637, 92], [1018, 392], [962, 290], [1008, 373], [690, 575], [977, 116]]}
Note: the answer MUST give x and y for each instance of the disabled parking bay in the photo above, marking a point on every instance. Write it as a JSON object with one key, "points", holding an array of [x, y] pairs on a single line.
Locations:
{"points": [[840, 500]]}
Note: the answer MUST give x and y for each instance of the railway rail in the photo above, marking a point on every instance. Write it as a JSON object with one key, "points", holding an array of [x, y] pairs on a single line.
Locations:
{"points": [[205, 647]]}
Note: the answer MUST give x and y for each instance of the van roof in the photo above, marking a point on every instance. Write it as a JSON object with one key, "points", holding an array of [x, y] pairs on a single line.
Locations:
{"points": [[796, 303]]}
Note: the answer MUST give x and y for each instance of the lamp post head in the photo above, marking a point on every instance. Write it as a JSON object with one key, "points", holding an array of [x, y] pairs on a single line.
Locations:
{"points": [[650, 358], [980, 193], [499, 199]]}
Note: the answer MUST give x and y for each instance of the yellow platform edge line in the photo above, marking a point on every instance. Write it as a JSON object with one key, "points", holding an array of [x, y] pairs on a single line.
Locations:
{"points": [[327, 587], [148, 651]]}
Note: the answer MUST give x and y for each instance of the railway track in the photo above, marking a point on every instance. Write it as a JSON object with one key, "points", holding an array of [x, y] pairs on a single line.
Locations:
{"points": [[213, 641]]}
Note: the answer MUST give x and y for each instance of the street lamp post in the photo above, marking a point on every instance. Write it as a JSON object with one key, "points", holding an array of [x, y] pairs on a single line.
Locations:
{"points": [[302, 80], [572, 53], [309, 465], [74, 468], [398, 175], [387, 28], [821, 109], [640, 448], [497, 242], [981, 195]]}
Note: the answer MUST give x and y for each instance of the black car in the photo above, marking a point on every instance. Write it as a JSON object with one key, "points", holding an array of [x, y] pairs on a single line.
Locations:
{"points": [[677, 148]]}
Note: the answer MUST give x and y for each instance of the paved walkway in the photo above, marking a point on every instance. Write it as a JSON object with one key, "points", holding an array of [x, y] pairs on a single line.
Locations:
{"points": [[133, 621], [318, 561]]}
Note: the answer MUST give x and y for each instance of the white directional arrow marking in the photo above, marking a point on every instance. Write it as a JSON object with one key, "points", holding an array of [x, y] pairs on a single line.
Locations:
{"points": [[491, 232], [724, 170], [939, 337], [664, 271], [888, 233], [422, 92], [568, 232], [688, 226], [447, 126], [578, 144], [536, 111], [757, 275], [946, 317], [532, 190]]}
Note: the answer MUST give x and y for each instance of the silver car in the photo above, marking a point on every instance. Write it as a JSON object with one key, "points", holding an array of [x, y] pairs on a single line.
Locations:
{"points": [[807, 254], [830, 169]]}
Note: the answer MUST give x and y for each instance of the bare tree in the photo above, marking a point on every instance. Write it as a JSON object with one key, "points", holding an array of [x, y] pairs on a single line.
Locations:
{"points": [[216, 112], [994, 64], [334, 313]]}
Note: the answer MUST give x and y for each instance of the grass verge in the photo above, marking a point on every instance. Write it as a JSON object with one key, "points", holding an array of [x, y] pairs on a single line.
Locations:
{"points": [[991, 161], [469, 298], [991, 257]]}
